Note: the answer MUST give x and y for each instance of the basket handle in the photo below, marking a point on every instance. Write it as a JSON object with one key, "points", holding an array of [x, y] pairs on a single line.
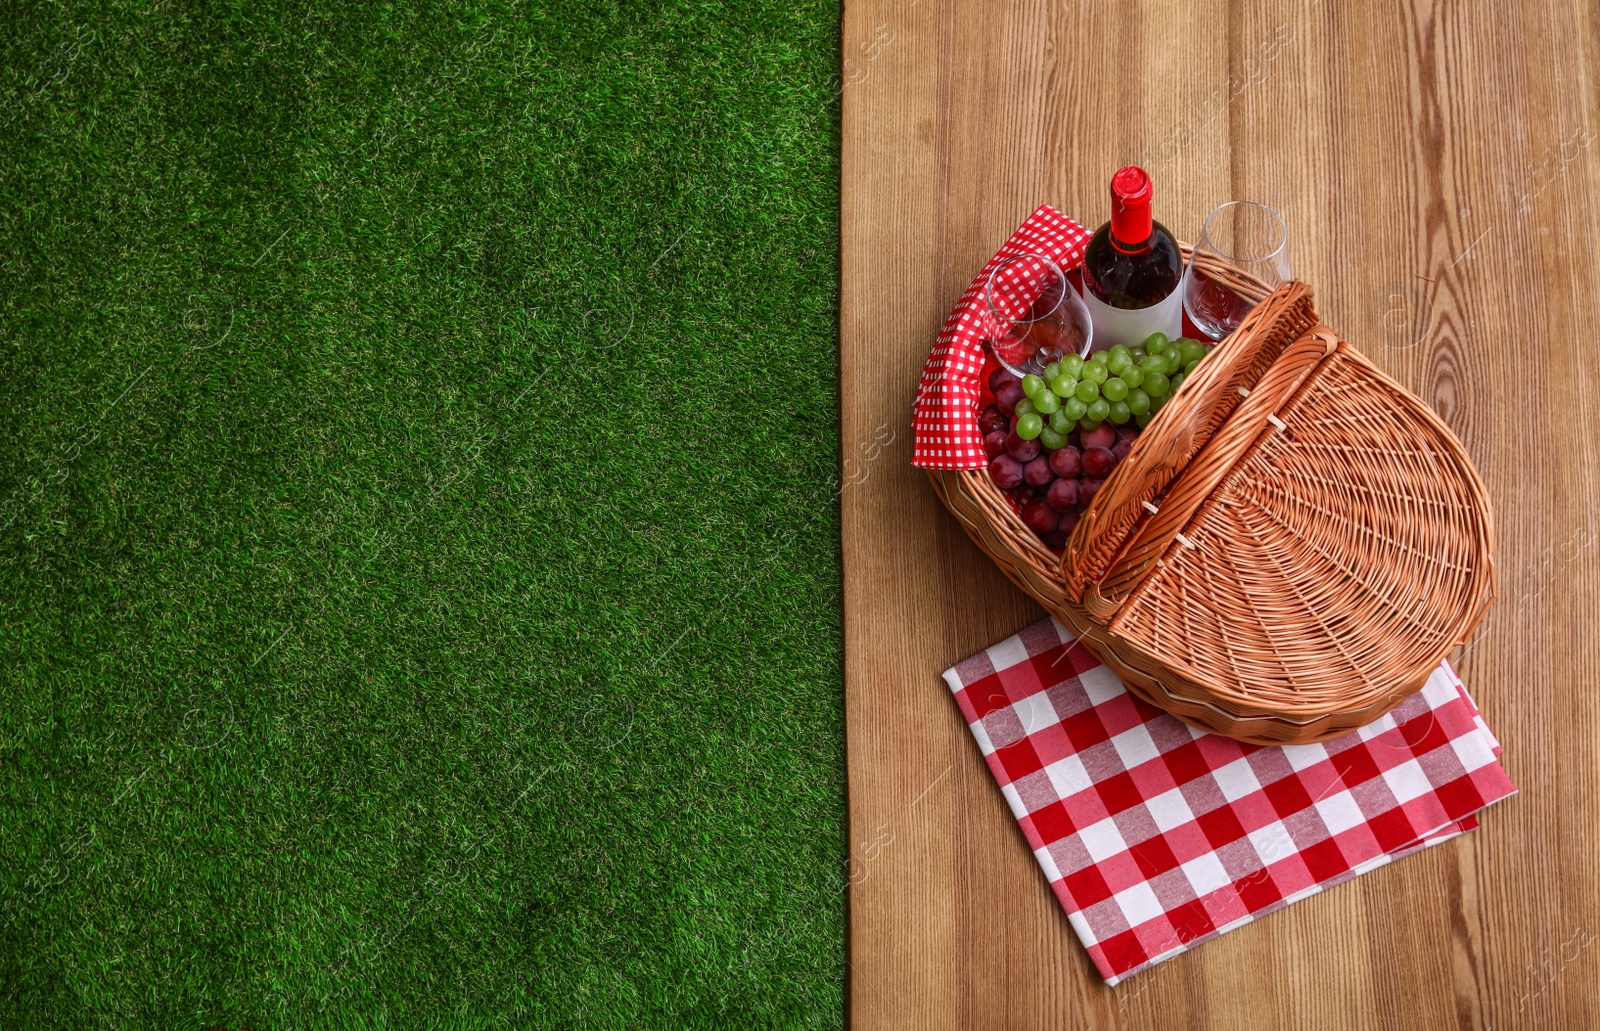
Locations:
{"points": [[1182, 429], [1255, 415]]}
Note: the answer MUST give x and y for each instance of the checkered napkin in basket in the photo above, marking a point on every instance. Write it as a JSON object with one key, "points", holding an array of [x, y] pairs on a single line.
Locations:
{"points": [[1156, 837], [944, 424]]}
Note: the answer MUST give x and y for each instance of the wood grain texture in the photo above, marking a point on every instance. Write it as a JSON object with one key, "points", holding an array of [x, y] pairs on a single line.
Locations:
{"points": [[1436, 165]]}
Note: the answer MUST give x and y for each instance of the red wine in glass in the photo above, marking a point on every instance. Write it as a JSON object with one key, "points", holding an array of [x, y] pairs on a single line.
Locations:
{"points": [[1215, 309], [1240, 235]]}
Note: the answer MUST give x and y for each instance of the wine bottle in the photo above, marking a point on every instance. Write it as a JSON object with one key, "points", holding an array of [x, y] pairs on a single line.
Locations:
{"points": [[1132, 269]]}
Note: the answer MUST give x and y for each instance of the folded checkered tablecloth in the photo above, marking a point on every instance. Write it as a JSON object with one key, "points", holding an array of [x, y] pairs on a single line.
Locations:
{"points": [[1157, 837]]}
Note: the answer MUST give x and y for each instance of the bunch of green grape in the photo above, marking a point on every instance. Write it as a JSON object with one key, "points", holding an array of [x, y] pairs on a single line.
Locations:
{"points": [[1121, 384]]}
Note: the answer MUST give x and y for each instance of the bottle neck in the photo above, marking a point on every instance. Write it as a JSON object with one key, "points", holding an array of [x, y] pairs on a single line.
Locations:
{"points": [[1132, 228], [1131, 224]]}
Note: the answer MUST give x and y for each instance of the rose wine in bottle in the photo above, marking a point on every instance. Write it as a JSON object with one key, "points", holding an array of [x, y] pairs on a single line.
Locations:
{"points": [[1132, 269]]}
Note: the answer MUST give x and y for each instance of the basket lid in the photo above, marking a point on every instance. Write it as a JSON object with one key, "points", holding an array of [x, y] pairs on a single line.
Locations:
{"points": [[1182, 428], [1342, 554]]}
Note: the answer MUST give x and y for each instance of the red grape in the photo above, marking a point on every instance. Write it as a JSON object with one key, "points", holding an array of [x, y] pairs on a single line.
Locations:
{"points": [[1068, 521], [1122, 449], [994, 443], [1063, 494], [1098, 462], [1103, 435], [1037, 472], [1007, 396], [1055, 540], [1087, 487], [1002, 376], [1006, 472], [1067, 462], [992, 419], [1127, 432], [1022, 450], [1039, 516]]}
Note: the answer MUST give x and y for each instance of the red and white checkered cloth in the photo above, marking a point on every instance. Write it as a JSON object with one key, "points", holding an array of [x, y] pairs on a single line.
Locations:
{"points": [[944, 423], [1157, 837]]}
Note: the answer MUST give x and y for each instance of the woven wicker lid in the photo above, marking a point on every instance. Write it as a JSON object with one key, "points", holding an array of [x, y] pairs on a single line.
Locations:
{"points": [[1342, 554]]}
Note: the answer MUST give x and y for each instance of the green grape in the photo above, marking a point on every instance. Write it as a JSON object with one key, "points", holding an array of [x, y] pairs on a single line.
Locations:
{"points": [[1192, 365], [1029, 426], [1099, 358], [1087, 423], [1096, 372], [1156, 384], [1073, 409], [1136, 352], [1072, 366], [1062, 385], [1061, 421], [1177, 381], [1099, 410], [1046, 403], [1087, 391], [1152, 363], [1191, 350], [1132, 376], [1120, 412], [1051, 371], [1031, 385], [1122, 350], [1209, 348], [1143, 418], [1117, 363], [1138, 402], [1025, 406], [1051, 439], [1158, 403], [1169, 348], [1154, 342], [1114, 390]]}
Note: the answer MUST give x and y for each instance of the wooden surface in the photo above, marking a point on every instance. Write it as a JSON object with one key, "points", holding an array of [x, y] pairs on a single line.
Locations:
{"points": [[1436, 166]]}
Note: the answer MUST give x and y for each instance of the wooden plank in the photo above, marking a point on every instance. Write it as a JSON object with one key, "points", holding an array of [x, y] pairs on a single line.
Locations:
{"points": [[1436, 165]]}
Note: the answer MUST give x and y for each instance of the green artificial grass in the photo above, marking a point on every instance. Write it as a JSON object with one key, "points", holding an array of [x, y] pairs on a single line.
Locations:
{"points": [[419, 564]]}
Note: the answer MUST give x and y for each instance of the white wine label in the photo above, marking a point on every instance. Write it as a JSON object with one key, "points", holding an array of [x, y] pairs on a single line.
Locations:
{"points": [[1113, 326]]}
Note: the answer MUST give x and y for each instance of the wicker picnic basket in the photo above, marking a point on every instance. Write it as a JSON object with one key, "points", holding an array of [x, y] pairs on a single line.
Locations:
{"points": [[1293, 545]]}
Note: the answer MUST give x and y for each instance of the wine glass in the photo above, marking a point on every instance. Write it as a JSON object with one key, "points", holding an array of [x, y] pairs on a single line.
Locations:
{"points": [[1034, 314], [1239, 235]]}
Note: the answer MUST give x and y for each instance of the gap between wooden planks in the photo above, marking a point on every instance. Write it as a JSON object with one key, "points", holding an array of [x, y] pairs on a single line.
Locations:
{"points": [[1435, 166]]}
